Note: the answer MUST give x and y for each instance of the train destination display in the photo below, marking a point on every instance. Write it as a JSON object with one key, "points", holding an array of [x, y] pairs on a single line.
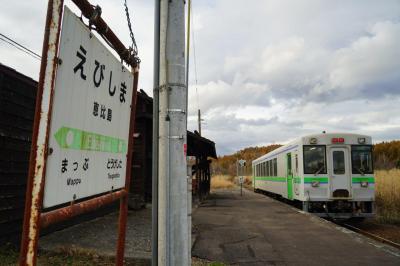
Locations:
{"points": [[88, 137]]}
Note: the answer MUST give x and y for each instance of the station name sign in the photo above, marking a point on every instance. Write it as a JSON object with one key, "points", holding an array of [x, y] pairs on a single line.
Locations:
{"points": [[89, 127]]}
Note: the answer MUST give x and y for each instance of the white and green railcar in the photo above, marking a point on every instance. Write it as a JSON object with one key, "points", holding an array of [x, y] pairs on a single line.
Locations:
{"points": [[331, 175]]}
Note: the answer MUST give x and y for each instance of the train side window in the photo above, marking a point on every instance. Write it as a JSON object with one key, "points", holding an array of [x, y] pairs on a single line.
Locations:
{"points": [[269, 173], [271, 167], [296, 163], [265, 169], [314, 159], [261, 169]]}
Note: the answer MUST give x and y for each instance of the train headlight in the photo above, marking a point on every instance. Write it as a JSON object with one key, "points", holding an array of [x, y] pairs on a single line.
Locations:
{"points": [[313, 141], [364, 184], [361, 140], [315, 184]]}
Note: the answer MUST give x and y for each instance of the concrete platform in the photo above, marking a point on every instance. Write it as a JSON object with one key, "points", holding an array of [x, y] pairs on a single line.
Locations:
{"points": [[257, 230]]}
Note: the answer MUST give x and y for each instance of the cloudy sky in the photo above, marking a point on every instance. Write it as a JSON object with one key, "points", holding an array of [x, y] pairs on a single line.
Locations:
{"points": [[267, 71]]}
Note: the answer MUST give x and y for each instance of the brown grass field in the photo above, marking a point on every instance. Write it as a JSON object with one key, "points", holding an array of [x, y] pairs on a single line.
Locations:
{"points": [[222, 182], [387, 195], [387, 192]]}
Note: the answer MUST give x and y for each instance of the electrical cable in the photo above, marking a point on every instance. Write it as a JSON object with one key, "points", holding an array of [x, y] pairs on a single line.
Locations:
{"points": [[194, 59], [19, 46]]}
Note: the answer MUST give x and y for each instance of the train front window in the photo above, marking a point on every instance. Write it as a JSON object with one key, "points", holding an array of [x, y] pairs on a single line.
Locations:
{"points": [[361, 159], [314, 159]]}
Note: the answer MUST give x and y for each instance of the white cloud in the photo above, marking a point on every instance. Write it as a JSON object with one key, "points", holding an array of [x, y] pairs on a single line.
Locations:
{"points": [[371, 60], [267, 70]]}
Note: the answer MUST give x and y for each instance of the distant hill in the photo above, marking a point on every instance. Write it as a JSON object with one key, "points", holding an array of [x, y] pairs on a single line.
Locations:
{"points": [[226, 165], [386, 156]]}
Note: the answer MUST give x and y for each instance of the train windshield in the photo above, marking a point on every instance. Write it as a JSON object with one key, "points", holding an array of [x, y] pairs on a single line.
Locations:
{"points": [[361, 159], [314, 159]]}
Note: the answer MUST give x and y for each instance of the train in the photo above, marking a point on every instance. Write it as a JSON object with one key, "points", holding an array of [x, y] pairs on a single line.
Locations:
{"points": [[328, 174]]}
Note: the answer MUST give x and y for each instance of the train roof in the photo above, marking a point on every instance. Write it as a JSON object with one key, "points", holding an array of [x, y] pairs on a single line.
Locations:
{"points": [[304, 140]]}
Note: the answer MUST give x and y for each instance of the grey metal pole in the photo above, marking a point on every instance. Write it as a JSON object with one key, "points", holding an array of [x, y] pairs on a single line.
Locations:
{"points": [[172, 202], [237, 168], [154, 193], [199, 120], [189, 167]]}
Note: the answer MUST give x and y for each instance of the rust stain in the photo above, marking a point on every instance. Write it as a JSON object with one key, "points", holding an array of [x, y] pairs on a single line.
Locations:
{"points": [[68, 212]]}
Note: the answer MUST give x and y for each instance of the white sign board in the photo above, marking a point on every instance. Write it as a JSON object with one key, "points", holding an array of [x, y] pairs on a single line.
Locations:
{"points": [[242, 163], [241, 179], [89, 128]]}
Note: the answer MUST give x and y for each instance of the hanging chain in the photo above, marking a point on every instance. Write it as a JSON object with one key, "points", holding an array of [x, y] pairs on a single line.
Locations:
{"points": [[134, 46]]}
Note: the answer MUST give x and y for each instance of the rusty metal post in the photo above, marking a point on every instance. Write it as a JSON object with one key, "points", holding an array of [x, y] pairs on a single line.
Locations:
{"points": [[88, 10], [123, 209], [60, 215], [37, 165]]}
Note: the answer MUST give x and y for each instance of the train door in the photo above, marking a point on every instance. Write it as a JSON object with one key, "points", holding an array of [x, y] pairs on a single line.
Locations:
{"points": [[296, 184], [340, 173], [289, 176]]}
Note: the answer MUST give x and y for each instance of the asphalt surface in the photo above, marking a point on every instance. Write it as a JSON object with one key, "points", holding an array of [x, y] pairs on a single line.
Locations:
{"points": [[257, 230]]}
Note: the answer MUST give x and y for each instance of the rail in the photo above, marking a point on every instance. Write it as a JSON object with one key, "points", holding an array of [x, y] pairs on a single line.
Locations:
{"points": [[373, 236]]}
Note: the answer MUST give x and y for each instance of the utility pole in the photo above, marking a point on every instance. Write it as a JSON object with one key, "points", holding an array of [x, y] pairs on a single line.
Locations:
{"points": [[189, 165], [173, 246], [241, 164], [199, 121], [154, 189]]}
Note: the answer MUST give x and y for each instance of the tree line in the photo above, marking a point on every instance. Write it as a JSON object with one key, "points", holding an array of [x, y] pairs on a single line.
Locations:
{"points": [[386, 156]]}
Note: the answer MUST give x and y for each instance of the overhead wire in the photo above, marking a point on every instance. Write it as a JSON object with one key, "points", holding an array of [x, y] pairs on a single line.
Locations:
{"points": [[19, 46]]}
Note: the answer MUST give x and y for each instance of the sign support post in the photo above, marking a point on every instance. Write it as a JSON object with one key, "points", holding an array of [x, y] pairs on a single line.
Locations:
{"points": [[40, 138], [123, 211]]}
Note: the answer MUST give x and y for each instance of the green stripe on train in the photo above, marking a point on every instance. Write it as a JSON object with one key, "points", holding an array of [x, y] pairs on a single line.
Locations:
{"points": [[297, 180], [271, 178], [315, 179], [307, 179], [369, 179]]}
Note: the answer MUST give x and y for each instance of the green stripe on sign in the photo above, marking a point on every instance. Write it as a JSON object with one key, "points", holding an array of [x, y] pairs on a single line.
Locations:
{"points": [[76, 139], [271, 178], [369, 179], [314, 179]]}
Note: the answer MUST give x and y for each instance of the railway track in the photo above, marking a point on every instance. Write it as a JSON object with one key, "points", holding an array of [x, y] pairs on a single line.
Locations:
{"points": [[368, 234]]}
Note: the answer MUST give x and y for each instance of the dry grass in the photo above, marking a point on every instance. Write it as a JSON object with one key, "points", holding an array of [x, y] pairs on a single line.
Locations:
{"points": [[222, 182], [248, 181], [387, 194], [9, 256]]}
